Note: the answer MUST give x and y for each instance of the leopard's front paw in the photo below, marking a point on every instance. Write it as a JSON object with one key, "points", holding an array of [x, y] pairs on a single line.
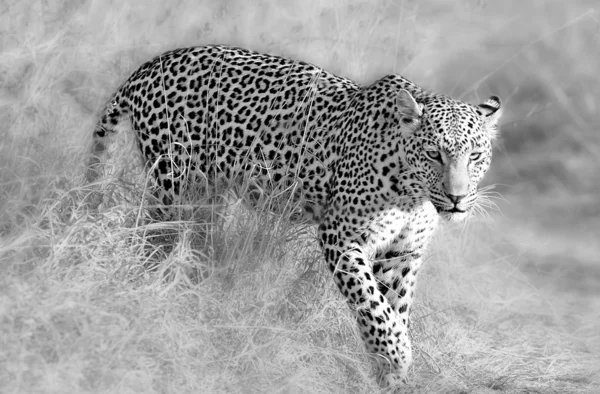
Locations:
{"points": [[387, 378]]}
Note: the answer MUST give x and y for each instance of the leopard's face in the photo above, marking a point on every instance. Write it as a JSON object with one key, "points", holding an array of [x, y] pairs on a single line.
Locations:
{"points": [[451, 152]]}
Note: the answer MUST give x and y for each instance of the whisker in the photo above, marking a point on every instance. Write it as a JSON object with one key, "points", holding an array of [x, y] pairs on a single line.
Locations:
{"points": [[488, 192], [480, 212], [488, 202]]}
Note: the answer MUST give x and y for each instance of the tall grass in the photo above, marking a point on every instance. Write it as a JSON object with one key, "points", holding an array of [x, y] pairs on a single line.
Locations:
{"points": [[99, 301]]}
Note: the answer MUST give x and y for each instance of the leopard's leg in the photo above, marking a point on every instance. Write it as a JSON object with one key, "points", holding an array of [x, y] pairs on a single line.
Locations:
{"points": [[396, 270], [169, 182], [380, 326]]}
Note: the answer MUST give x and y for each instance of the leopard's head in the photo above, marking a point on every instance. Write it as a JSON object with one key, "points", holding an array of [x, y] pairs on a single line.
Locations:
{"points": [[450, 148]]}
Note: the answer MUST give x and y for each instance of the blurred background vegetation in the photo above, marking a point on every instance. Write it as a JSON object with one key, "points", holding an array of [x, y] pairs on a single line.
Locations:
{"points": [[61, 59]]}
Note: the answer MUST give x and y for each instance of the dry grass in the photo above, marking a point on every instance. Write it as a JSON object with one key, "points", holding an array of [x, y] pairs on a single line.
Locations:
{"points": [[98, 302]]}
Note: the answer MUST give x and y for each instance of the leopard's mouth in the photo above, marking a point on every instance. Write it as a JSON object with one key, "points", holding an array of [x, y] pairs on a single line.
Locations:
{"points": [[451, 213], [445, 207], [453, 210], [448, 208], [454, 214]]}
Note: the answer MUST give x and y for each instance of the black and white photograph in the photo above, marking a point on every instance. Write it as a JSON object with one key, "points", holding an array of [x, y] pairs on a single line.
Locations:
{"points": [[300, 196]]}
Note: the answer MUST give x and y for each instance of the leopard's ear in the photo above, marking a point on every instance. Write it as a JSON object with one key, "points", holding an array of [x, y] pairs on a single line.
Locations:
{"points": [[408, 112], [491, 111]]}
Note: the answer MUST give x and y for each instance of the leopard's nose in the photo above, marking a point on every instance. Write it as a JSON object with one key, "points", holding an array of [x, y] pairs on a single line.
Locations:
{"points": [[456, 199]]}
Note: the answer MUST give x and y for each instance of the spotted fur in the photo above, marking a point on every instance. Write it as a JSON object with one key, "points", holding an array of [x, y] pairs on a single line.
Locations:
{"points": [[377, 165]]}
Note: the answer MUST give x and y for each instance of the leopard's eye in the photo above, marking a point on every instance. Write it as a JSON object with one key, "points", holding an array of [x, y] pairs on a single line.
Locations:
{"points": [[475, 156], [434, 155], [409, 121]]}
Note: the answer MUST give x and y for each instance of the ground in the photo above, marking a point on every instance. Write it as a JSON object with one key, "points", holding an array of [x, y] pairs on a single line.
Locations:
{"points": [[508, 303]]}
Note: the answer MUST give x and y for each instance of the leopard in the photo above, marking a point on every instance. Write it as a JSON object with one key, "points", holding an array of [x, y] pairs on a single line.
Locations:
{"points": [[378, 167]]}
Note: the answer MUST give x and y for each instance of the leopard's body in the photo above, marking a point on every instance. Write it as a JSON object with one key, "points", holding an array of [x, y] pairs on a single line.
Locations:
{"points": [[377, 166]]}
